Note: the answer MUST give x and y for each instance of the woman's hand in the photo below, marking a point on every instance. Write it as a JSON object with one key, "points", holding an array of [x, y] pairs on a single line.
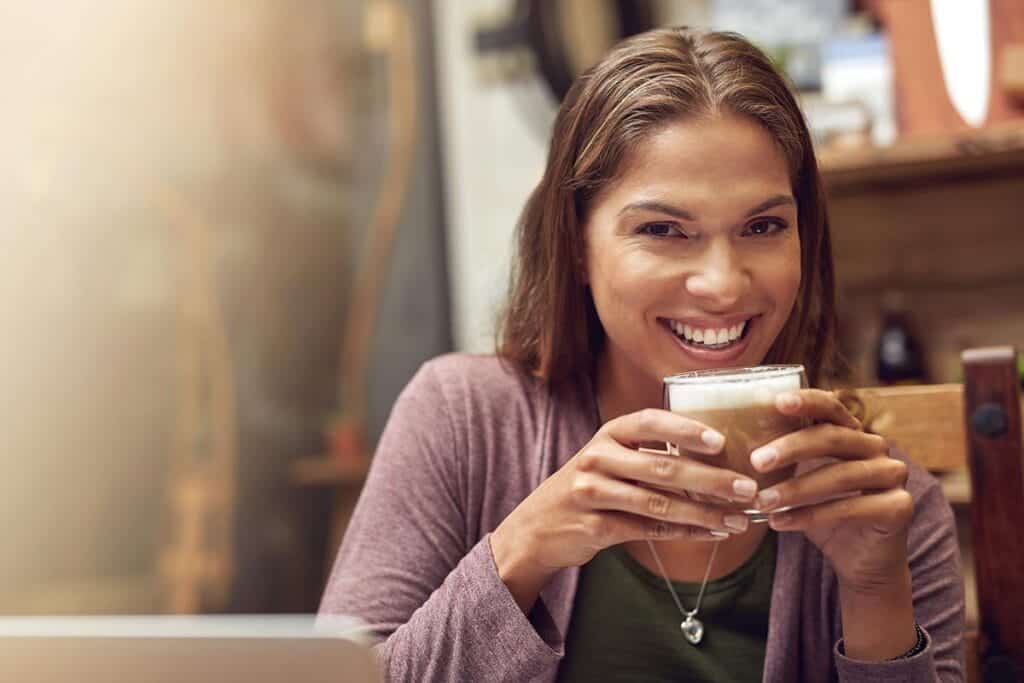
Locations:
{"points": [[864, 533], [610, 493]]}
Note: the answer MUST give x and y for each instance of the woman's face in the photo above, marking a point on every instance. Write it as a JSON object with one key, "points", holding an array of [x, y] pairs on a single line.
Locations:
{"points": [[693, 253]]}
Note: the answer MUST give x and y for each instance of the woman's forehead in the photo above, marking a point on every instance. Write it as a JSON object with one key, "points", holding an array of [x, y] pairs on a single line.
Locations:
{"points": [[724, 156], [725, 145]]}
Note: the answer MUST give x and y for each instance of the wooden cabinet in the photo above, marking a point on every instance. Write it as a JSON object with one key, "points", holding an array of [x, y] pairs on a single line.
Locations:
{"points": [[938, 220]]}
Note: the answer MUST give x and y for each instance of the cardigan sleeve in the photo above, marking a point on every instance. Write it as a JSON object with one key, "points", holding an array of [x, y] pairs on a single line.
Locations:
{"points": [[938, 589], [408, 569]]}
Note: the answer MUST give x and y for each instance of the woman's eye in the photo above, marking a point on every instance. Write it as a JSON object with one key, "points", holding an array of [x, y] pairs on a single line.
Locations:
{"points": [[660, 230], [766, 226]]}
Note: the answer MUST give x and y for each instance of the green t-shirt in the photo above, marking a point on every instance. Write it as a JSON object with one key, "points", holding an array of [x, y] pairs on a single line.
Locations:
{"points": [[625, 625]]}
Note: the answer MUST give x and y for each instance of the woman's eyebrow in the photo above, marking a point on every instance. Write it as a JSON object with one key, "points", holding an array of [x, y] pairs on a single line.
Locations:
{"points": [[771, 203], [683, 214], [661, 207]]}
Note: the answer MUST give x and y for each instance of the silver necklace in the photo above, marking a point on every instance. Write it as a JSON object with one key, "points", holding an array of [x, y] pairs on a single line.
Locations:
{"points": [[692, 627]]}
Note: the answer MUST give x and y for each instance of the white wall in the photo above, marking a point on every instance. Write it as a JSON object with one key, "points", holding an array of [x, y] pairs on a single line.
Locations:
{"points": [[493, 155]]}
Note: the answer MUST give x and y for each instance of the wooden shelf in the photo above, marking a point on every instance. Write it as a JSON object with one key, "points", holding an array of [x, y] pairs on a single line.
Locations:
{"points": [[327, 470], [924, 160]]}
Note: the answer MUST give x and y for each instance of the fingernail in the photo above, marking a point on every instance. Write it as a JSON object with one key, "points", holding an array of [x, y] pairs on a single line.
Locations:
{"points": [[764, 457], [768, 499], [744, 488], [736, 522], [780, 519], [719, 534], [788, 401], [712, 439]]}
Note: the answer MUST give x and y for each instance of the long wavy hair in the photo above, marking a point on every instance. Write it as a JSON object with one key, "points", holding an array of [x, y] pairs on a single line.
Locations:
{"points": [[549, 326]]}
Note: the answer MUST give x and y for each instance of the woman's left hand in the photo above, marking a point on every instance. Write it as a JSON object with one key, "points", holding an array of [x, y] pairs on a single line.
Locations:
{"points": [[864, 534]]}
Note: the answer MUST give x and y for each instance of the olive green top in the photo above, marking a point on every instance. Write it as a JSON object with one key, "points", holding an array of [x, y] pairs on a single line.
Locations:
{"points": [[626, 627]]}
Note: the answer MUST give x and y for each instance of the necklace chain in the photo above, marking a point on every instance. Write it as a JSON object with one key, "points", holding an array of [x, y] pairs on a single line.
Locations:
{"points": [[688, 614]]}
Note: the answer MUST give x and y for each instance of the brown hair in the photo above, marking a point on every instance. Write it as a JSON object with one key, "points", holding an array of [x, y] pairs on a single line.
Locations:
{"points": [[550, 327]]}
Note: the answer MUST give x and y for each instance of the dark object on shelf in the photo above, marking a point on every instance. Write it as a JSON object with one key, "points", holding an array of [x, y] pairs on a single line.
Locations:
{"points": [[900, 358], [561, 47]]}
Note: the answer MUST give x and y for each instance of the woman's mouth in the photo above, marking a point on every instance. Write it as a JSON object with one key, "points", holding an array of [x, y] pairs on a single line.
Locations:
{"points": [[710, 342], [713, 338]]}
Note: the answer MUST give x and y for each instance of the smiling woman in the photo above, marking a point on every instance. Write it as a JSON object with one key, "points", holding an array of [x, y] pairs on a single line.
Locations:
{"points": [[699, 232], [620, 147], [506, 529]]}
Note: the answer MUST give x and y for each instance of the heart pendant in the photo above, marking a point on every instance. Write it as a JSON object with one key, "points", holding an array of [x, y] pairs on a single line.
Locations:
{"points": [[693, 630]]}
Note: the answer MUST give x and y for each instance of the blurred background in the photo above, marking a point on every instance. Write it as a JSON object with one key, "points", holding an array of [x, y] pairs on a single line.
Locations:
{"points": [[233, 231]]}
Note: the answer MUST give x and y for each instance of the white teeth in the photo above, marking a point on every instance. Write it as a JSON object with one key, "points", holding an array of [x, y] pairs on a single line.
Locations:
{"points": [[709, 337]]}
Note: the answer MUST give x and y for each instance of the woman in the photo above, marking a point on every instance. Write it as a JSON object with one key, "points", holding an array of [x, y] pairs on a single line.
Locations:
{"points": [[502, 534]]}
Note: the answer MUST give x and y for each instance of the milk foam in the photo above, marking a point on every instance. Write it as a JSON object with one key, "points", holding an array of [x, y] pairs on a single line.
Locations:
{"points": [[752, 391]]}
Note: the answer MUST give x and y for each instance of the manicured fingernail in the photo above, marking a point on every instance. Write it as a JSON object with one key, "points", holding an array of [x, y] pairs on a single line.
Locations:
{"points": [[712, 439], [744, 488], [719, 534], [788, 401], [768, 499], [764, 457], [736, 522], [780, 519]]}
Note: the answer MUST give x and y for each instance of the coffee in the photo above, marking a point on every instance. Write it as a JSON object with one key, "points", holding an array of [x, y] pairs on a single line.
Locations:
{"points": [[739, 403], [747, 428]]}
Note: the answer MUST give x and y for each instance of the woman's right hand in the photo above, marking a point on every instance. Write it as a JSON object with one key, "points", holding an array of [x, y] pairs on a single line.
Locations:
{"points": [[610, 493]]}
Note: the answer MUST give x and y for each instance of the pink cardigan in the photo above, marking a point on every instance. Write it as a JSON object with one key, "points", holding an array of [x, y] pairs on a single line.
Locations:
{"points": [[469, 439]]}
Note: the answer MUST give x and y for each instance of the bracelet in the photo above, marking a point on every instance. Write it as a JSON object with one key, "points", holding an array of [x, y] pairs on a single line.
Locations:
{"points": [[918, 646]]}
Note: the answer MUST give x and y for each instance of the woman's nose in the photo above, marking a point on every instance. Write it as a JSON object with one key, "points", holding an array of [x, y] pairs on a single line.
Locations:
{"points": [[719, 279]]}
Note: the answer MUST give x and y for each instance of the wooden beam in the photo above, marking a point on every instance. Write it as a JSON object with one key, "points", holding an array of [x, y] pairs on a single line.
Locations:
{"points": [[996, 461]]}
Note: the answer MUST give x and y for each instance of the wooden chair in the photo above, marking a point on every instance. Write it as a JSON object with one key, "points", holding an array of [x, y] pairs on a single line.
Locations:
{"points": [[970, 436]]}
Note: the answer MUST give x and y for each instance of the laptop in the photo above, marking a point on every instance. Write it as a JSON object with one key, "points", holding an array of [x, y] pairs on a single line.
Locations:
{"points": [[185, 649]]}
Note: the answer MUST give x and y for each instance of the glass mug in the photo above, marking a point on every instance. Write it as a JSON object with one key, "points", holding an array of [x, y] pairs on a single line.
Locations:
{"points": [[740, 404]]}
